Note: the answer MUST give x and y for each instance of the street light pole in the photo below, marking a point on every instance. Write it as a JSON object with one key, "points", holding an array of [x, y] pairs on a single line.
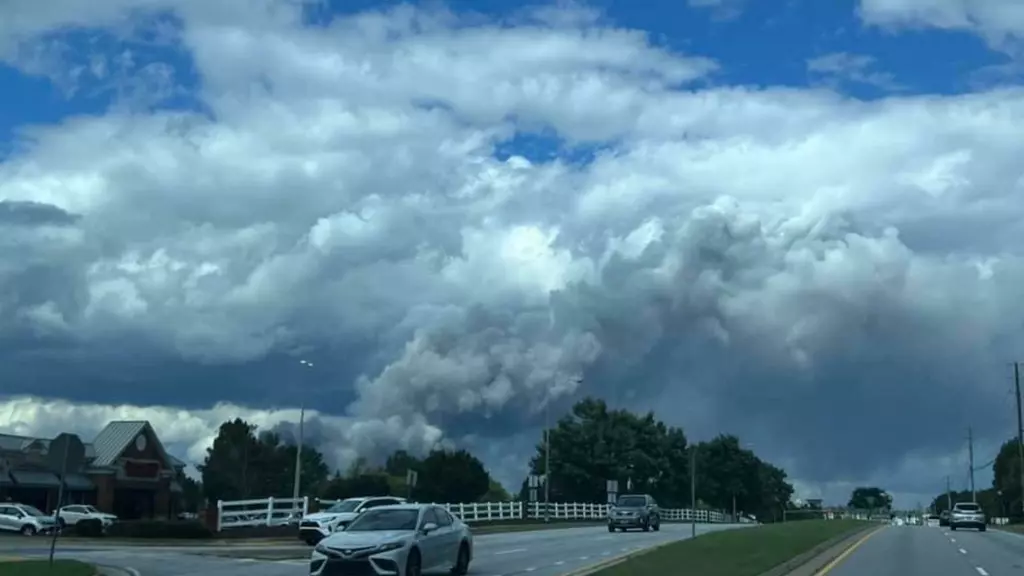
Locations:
{"points": [[298, 444], [547, 461]]}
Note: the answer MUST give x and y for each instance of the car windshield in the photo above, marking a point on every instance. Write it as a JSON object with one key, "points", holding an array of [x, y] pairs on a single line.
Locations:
{"points": [[966, 508], [631, 502], [381, 519], [32, 511], [344, 506]]}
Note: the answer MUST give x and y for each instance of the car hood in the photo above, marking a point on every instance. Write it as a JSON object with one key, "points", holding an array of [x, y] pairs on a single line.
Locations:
{"points": [[329, 516], [343, 540]]}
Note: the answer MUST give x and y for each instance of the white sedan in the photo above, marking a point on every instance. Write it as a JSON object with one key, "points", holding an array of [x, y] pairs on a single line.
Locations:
{"points": [[399, 540]]}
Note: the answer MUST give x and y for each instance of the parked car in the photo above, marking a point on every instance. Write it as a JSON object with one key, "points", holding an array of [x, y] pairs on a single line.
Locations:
{"points": [[967, 515], [634, 511], [317, 526], [402, 539], [75, 513], [27, 520]]}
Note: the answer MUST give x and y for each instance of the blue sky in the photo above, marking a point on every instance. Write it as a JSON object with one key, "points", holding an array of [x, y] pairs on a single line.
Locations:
{"points": [[766, 43]]}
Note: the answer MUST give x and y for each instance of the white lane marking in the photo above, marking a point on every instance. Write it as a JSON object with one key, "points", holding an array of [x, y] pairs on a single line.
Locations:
{"points": [[584, 557], [513, 551], [529, 569], [952, 539], [962, 551], [981, 571], [560, 562]]}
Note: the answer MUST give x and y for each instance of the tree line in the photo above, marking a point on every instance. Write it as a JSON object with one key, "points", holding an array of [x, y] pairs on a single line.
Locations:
{"points": [[1003, 497], [589, 446]]}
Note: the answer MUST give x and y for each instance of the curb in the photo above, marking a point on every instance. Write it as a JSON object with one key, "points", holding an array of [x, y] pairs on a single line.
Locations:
{"points": [[821, 554]]}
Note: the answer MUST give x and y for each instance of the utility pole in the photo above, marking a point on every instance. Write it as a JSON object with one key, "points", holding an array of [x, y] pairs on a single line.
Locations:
{"points": [[298, 446], [547, 461], [1020, 432], [970, 462], [949, 496], [693, 491]]}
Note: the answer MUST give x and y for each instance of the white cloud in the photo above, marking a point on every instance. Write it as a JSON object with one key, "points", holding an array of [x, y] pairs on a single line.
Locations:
{"points": [[1000, 22], [343, 188]]}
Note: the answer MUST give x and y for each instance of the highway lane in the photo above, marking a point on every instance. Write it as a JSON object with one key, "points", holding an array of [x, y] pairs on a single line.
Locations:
{"points": [[537, 553], [923, 551]]}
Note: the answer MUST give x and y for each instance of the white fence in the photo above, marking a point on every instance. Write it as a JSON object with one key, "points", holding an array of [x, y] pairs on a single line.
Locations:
{"points": [[278, 511]]}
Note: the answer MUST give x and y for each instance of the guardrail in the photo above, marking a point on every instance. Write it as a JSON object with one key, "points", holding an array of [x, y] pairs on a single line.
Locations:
{"points": [[278, 511]]}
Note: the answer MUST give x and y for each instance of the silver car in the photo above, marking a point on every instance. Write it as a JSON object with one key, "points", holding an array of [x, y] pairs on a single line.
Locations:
{"points": [[26, 519], [967, 515], [398, 540]]}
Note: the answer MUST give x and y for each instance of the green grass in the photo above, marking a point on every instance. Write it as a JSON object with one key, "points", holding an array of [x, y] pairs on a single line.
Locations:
{"points": [[43, 568], [743, 552]]}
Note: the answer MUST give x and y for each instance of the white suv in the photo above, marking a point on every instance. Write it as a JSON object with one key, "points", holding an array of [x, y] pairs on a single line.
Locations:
{"points": [[967, 515], [25, 519], [315, 527], [71, 515]]}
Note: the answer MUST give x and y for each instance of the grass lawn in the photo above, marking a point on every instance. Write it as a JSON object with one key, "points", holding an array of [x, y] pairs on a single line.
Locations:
{"points": [[742, 552], [1018, 528], [42, 568]]}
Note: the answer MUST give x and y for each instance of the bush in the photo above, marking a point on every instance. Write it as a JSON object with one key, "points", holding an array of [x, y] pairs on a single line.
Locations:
{"points": [[170, 529], [281, 531], [88, 528]]}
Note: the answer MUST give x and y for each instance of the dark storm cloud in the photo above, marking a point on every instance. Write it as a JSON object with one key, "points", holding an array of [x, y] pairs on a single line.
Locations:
{"points": [[25, 213]]}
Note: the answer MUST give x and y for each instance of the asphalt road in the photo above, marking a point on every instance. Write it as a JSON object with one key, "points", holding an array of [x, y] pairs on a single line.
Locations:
{"points": [[537, 553], [923, 551]]}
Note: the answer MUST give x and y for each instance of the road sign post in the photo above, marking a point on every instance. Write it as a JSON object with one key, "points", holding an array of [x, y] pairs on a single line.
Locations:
{"points": [[66, 452], [411, 478]]}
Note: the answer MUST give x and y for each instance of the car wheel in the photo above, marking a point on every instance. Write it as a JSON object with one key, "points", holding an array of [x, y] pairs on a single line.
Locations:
{"points": [[647, 526], [413, 566], [952, 527], [982, 529], [462, 562], [611, 528], [657, 526], [28, 530]]}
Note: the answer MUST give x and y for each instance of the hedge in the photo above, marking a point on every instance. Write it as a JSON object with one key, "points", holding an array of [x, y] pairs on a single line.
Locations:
{"points": [[183, 529]]}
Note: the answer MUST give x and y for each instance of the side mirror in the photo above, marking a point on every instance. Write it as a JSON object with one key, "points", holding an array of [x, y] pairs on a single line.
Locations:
{"points": [[428, 528]]}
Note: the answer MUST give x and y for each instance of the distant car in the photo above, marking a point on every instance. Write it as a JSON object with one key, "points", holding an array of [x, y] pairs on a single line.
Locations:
{"points": [[315, 527], [933, 520], [967, 515], [28, 520], [71, 515], [944, 518], [634, 511], [397, 540]]}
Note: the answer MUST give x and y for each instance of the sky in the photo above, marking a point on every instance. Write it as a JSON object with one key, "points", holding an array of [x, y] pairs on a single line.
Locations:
{"points": [[798, 222]]}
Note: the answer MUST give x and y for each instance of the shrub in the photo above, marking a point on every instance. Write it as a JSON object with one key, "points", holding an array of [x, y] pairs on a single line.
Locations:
{"points": [[170, 529], [88, 528]]}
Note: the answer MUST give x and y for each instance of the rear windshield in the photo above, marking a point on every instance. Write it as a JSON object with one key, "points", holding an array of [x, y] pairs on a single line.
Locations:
{"points": [[966, 507], [632, 502]]}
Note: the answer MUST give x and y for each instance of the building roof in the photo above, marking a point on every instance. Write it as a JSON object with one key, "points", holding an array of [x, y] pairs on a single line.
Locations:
{"points": [[113, 440], [108, 446]]}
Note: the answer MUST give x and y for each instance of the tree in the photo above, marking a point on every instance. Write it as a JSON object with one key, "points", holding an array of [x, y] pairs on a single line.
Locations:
{"points": [[496, 493], [1006, 479], [240, 465], [988, 499], [191, 493], [451, 476], [869, 498], [364, 483], [594, 444]]}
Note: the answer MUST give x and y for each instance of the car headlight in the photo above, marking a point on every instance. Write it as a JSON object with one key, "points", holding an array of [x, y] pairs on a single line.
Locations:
{"points": [[321, 549], [390, 546]]}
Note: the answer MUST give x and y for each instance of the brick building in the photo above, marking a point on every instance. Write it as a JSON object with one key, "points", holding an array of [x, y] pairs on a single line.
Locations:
{"points": [[126, 472]]}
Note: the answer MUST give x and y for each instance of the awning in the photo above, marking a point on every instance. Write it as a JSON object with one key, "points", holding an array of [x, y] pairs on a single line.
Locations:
{"points": [[78, 482], [30, 479]]}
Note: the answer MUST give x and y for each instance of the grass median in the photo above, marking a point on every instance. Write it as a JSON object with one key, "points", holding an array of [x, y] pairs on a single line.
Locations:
{"points": [[742, 552], [43, 568]]}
